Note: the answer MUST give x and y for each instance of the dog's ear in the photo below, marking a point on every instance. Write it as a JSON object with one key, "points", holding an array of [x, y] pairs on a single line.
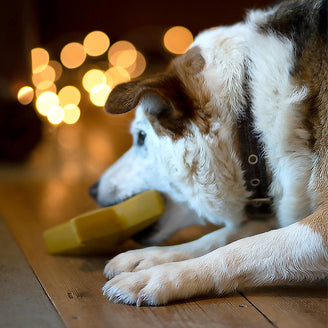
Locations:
{"points": [[155, 103], [127, 96], [168, 109], [164, 98], [123, 98]]}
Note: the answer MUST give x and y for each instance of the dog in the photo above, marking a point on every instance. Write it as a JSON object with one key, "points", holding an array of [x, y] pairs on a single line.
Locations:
{"points": [[236, 127]]}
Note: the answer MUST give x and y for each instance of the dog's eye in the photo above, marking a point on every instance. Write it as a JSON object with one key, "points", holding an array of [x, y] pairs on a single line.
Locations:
{"points": [[141, 138]]}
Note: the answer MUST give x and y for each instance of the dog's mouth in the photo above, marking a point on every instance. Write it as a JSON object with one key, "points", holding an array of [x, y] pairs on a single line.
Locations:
{"points": [[111, 202]]}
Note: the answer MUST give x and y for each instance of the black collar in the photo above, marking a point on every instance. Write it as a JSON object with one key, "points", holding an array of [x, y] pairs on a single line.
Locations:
{"points": [[253, 161]]}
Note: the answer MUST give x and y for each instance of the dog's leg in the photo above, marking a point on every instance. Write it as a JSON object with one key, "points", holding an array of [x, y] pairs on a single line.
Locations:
{"points": [[141, 259], [296, 198], [282, 256]]}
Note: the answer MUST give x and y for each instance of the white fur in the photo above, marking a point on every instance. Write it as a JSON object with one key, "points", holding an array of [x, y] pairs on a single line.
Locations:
{"points": [[216, 192], [249, 262], [279, 119]]}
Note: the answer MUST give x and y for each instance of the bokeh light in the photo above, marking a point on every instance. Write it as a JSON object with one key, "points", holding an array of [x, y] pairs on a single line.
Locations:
{"points": [[92, 78], [122, 53], [116, 75], [47, 75], [52, 87], [138, 67], [57, 67], [73, 55], [40, 59], [46, 101], [25, 95], [96, 43], [99, 94], [178, 39], [124, 62], [55, 114], [69, 95], [71, 114]]}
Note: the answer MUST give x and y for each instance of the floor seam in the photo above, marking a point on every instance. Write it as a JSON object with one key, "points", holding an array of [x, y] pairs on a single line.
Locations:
{"points": [[257, 309]]}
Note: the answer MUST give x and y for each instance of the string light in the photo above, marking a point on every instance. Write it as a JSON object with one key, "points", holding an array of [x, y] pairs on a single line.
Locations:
{"points": [[122, 53], [116, 75], [57, 67], [96, 43], [73, 55], [71, 114], [40, 59], [46, 101], [69, 95], [39, 91], [46, 77], [25, 95], [92, 78], [124, 60], [99, 94], [138, 67], [55, 114], [178, 39]]}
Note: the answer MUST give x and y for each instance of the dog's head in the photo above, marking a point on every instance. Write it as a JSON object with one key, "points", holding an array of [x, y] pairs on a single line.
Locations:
{"points": [[183, 146]]}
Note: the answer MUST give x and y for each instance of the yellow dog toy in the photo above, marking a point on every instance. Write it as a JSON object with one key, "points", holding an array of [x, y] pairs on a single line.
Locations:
{"points": [[102, 229]]}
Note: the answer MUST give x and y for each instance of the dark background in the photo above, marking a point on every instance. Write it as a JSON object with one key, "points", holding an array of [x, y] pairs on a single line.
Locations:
{"points": [[26, 24]]}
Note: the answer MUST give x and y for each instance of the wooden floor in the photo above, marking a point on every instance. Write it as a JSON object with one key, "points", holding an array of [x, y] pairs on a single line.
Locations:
{"points": [[39, 290]]}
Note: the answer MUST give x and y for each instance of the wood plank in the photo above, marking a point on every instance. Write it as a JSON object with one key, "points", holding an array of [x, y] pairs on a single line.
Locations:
{"points": [[23, 302], [293, 306], [74, 283]]}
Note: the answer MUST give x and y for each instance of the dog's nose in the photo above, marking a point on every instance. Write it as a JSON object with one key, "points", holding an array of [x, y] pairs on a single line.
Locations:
{"points": [[93, 190]]}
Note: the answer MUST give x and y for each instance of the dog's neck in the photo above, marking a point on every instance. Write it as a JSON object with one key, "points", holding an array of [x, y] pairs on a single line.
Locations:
{"points": [[253, 161]]}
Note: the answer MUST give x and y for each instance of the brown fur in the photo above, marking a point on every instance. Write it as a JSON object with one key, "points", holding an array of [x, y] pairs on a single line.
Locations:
{"points": [[170, 89], [313, 71], [188, 67], [318, 222], [307, 27], [176, 106]]}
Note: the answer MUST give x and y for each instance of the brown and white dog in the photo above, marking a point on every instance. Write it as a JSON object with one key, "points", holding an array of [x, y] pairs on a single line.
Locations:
{"points": [[270, 72]]}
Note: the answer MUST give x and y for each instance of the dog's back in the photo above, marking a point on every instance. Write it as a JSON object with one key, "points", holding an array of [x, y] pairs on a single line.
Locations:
{"points": [[306, 23]]}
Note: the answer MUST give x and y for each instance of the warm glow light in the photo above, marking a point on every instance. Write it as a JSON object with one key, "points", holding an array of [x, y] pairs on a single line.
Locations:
{"points": [[96, 43], [72, 55], [92, 78], [57, 67], [178, 39], [45, 85], [122, 53], [25, 95], [48, 74], [55, 115], [39, 90], [69, 95], [46, 101], [71, 114], [40, 59], [138, 67], [116, 75], [99, 94]]}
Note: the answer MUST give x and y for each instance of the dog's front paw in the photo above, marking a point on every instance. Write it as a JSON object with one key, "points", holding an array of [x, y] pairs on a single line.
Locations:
{"points": [[141, 259], [160, 284]]}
